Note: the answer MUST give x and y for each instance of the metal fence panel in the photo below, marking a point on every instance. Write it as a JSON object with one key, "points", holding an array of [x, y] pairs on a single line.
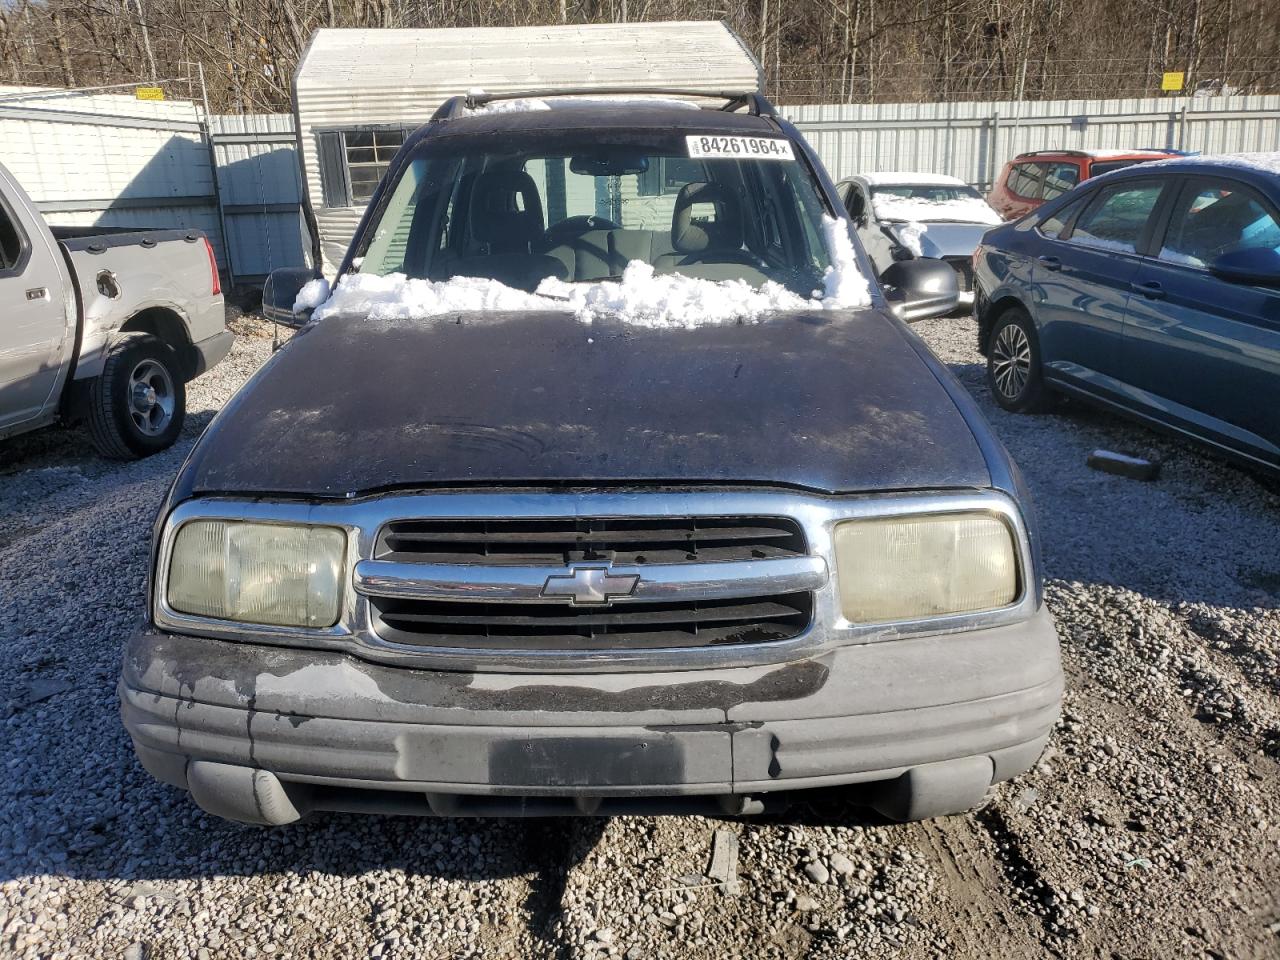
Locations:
{"points": [[259, 189], [110, 160], [973, 141]]}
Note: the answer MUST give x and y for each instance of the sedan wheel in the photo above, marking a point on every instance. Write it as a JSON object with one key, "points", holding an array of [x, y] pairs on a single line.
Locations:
{"points": [[1011, 361], [1013, 364]]}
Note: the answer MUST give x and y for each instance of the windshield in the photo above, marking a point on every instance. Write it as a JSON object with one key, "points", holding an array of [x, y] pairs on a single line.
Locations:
{"points": [[931, 203], [1099, 167], [929, 192], [580, 206]]}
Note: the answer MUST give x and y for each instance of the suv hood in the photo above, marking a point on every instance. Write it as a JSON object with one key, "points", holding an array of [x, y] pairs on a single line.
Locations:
{"points": [[833, 401]]}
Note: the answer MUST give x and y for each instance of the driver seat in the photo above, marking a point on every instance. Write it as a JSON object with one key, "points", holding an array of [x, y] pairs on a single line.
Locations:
{"points": [[506, 211], [698, 238]]}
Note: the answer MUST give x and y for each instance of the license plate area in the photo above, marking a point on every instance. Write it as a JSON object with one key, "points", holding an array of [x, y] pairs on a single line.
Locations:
{"points": [[587, 761]]}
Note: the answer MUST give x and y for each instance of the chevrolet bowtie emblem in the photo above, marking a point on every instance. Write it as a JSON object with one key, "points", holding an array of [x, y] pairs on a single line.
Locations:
{"points": [[585, 584]]}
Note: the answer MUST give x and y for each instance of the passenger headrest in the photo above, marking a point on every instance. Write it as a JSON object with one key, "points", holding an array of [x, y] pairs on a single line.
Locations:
{"points": [[693, 231], [506, 210]]}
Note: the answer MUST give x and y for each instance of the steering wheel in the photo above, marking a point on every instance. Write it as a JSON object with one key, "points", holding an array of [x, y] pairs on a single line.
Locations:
{"points": [[580, 224]]}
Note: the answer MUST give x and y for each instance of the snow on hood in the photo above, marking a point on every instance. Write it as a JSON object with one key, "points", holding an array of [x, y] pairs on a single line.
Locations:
{"points": [[641, 297], [910, 234], [964, 209], [938, 239]]}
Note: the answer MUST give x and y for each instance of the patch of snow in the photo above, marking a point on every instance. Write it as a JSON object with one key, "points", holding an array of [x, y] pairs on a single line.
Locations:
{"points": [[902, 178], [396, 297], [1116, 154], [1173, 256], [523, 105], [641, 297], [647, 299], [531, 105], [1268, 162], [313, 294], [908, 209], [909, 235], [843, 284], [1102, 243]]}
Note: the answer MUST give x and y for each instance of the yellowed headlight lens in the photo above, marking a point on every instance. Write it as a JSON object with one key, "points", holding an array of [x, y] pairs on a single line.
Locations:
{"points": [[269, 573], [911, 568]]}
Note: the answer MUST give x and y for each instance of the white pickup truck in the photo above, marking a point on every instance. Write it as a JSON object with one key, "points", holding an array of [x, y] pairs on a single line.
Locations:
{"points": [[103, 327]]}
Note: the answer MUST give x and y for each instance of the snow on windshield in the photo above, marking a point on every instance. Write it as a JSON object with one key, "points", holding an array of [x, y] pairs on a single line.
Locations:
{"points": [[641, 297], [963, 209]]}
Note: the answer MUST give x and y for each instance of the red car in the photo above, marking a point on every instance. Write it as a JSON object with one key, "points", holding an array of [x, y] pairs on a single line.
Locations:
{"points": [[1030, 179]]}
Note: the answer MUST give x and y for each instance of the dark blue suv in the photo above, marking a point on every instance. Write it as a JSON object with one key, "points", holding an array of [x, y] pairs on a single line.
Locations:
{"points": [[1154, 291]]}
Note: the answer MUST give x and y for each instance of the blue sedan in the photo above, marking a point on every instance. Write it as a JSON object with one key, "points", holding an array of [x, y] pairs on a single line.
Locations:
{"points": [[1153, 291]]}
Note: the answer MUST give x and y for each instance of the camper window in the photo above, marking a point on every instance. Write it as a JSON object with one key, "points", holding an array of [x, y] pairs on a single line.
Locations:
{"points": [[369, 154], [352, 162]]}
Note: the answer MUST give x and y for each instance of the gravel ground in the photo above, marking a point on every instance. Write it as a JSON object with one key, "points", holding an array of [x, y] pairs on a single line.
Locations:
{"points": [[1150, 829]]}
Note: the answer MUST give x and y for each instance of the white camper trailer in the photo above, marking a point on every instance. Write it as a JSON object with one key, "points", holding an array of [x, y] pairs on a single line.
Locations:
{"points": [[358, 93]]}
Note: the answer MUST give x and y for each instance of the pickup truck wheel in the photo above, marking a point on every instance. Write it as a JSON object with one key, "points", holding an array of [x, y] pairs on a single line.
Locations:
{"points": [[1014, 372], [138, 404]]}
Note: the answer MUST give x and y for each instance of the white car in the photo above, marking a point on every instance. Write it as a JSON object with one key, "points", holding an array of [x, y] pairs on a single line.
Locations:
{"points": [[902, 216]]}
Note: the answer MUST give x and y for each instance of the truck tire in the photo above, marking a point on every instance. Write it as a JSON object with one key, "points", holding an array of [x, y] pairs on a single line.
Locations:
{"points": [[1014, 372], [138, 403]]}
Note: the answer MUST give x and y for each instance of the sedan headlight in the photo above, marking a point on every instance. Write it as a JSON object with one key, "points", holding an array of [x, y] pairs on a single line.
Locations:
{"points": [[914, 567], [270, 573]]}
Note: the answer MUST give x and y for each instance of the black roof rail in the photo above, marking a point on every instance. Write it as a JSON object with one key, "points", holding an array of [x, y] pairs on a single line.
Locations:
{"points": [[458, 106]]}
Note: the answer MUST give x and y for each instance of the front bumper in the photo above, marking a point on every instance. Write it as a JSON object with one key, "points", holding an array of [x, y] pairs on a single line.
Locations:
{"points": [[265, 734]]}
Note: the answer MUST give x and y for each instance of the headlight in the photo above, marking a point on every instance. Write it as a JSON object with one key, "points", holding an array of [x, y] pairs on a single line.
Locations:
{"points": [[270, 573], [910, 568]]}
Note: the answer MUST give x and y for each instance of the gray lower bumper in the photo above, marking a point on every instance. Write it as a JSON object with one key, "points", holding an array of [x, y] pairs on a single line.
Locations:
{"points": [[251, 728], [211, 352]]}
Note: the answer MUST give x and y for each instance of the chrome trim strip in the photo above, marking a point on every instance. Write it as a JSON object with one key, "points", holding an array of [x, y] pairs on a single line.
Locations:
{"points": [[817, 515], [659, 582]]}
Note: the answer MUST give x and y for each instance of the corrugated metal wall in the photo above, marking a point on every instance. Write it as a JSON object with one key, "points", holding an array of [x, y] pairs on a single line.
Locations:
{"points": [[110, 160], [260, 189], [973, 141]]}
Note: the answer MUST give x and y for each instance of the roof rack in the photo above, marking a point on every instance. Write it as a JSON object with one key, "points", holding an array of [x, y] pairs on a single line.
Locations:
{"points": [[1056, 153], [756, 104], [1088, 153]]}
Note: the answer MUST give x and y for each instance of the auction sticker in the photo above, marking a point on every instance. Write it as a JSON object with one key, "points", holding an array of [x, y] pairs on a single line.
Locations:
{"points": [[740, 148]]}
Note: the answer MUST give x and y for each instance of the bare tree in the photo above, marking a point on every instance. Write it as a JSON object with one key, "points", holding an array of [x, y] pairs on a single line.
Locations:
{"points": [[812, 50]]}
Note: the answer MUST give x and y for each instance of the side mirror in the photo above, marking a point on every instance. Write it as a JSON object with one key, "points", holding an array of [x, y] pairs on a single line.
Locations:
{"points": [[279, 293], [1258, 266], [921, 288]]}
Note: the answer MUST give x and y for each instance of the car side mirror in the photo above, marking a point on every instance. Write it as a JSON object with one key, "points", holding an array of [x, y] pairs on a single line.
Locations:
{"points": [[921, 288], [1257, 266], [279, 293]]}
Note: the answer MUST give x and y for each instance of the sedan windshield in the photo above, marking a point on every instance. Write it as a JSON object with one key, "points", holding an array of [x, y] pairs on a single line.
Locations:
{"points": [[929, 192], [931, 203], [580, 206]]}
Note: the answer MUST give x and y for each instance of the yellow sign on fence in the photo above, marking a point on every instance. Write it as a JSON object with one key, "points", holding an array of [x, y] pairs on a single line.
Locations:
{"points": [[157, 93], [1173, 81]]}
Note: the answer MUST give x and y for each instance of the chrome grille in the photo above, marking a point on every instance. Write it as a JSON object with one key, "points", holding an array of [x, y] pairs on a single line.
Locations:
{"points": [[541, 626], [622, 540], [480, 584]]}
